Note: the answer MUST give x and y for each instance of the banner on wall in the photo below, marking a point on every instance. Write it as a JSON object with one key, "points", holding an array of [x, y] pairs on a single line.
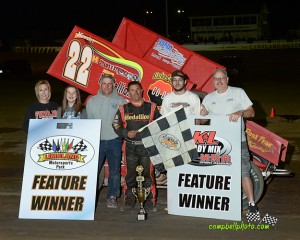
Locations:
{"points": [[210, 185], [60, 171]]}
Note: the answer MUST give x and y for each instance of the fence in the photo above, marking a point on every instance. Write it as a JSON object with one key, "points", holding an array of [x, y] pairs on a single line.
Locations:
{"points": [[42, 49]]}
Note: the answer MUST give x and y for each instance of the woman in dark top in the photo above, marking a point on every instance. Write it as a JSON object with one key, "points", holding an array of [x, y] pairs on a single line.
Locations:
{"points": [[43, 108]]}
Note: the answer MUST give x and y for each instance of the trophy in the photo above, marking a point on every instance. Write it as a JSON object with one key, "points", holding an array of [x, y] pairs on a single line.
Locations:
{"points": [[141, 193]]}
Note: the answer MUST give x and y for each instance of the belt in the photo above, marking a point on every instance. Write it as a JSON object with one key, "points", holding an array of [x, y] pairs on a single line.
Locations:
{"points": [[133, 142]]}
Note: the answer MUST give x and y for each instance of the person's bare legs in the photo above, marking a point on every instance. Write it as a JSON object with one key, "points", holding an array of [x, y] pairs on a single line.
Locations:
{"points": [[248, 188]]}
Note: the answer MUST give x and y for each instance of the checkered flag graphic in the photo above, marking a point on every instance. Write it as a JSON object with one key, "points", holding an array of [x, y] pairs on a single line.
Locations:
{"points": [[253, 216], [79, 147], [269, 220], [45, 146], [169, 141]]}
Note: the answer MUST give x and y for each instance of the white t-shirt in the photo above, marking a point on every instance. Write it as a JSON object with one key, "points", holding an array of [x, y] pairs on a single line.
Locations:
{"points": [[233, 100], [189, 100]]}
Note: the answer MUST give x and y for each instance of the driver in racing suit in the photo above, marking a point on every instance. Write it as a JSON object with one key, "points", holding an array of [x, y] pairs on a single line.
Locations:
{"points": [[129, 118]]}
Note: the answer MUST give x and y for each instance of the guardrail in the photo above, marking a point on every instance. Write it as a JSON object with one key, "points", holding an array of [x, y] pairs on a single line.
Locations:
{"points": [[242, 46], [194, 47], [24, 49]]}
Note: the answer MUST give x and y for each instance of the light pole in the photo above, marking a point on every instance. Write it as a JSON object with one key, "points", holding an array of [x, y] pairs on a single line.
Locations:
{"points": [[180, 13], [167, 23], [146, 15]]}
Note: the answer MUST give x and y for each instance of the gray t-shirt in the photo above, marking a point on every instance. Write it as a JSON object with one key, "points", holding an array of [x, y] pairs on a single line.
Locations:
{"points": [[105, 108]]}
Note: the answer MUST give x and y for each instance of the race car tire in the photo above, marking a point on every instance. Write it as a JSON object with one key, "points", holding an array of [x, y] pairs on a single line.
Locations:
{"points": [[258, 186]]}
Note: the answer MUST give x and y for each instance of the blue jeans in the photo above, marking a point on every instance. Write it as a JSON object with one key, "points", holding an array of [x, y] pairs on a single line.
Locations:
{"points": [[111, 150]]}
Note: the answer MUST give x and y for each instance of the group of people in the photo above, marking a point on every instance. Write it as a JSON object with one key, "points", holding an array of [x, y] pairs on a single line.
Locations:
{"points": [[121, 120], [71, 106]]}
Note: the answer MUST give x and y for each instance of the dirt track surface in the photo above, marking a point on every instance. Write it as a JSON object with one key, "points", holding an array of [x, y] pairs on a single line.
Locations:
{"points": [[267, 83]]}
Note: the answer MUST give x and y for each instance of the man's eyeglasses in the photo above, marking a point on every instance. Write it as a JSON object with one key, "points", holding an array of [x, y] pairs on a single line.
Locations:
{"points": [[220, 78]]}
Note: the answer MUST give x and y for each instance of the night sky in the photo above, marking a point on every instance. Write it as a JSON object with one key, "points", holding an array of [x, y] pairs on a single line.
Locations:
{"points": [[42, 21]]}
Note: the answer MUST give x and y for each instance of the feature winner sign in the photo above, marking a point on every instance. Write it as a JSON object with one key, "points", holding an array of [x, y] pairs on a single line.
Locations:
{"points": [[60, 172], [209, 186]]}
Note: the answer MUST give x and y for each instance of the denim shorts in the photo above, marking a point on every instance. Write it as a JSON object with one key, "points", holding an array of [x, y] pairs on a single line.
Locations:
{"points": [[245, 155]]}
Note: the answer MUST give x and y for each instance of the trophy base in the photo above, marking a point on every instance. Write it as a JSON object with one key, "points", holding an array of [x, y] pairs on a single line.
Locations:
{"points": [[141, 217]]}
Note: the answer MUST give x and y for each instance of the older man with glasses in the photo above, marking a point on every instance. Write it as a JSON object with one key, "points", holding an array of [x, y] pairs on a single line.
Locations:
{"points": [[235, 103]]}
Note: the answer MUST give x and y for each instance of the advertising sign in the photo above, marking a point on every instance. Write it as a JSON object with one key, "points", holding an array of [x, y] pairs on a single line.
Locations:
{"points": [[209, 186], [60, 171]]}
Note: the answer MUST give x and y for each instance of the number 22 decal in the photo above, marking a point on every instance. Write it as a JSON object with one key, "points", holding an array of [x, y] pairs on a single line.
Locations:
{"points": [[77, 67]]}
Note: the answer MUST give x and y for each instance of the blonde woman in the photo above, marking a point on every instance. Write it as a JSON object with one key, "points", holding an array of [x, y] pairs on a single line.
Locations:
{"points": [[43, 108], [71, 106]]}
